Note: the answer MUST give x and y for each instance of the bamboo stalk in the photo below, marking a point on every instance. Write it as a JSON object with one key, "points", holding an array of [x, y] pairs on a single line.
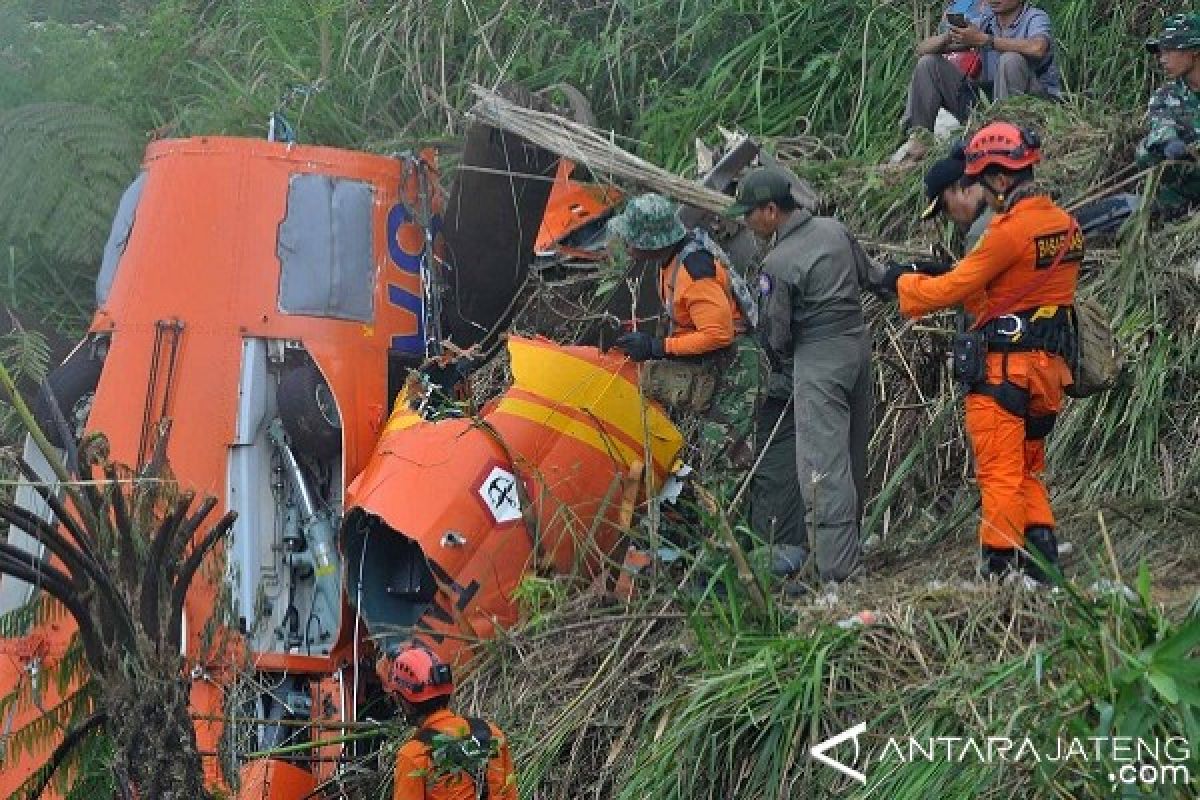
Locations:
{"points": [[594, 149], [742, 564], [299, 723]]}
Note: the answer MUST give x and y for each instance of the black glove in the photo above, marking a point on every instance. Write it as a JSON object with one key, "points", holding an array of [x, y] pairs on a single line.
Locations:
{"points": [[640, 346], [932, 268], [1178, 150], [895, 270]]}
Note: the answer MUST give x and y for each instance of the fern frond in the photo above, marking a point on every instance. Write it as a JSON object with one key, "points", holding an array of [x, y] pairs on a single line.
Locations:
{"points": [[26, 353], [43, 732], [22, 619], [71, 669], [87, 773], [62, 169], [41, 610], [60, 294]]}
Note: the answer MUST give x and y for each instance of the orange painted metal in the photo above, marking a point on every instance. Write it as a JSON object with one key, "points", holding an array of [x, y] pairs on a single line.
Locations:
{"points": [[202, 256], [538, 480], [202, 264], [275, 780], [571, 206]]}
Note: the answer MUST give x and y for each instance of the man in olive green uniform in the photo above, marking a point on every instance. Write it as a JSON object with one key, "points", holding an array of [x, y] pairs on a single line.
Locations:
{"points": [[811, 312], [1174, 113], [776, 504]]}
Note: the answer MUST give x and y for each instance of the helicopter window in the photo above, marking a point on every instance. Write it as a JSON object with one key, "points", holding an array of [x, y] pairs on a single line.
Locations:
{"points": [[118, 237], [325, 247]]}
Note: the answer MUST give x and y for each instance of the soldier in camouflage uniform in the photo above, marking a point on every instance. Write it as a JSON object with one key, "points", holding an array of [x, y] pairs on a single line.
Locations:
{"points": [[1174, 113], [703, 362]]}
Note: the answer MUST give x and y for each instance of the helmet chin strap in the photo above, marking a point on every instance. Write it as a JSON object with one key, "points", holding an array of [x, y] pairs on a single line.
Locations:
{"points": [[408, 711], [992, 192]]}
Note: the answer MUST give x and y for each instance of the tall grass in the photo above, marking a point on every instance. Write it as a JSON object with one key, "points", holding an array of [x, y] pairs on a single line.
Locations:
{"points": [[745, 709], [658, 72]]}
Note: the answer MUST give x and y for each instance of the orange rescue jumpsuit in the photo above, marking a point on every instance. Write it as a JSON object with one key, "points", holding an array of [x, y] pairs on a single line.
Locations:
{"points": [[1004, 274], [695, 292], [413, 765]]}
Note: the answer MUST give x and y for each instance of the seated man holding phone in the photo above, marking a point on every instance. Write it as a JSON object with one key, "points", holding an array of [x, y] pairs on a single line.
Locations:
{"points": [[1016, 48]]}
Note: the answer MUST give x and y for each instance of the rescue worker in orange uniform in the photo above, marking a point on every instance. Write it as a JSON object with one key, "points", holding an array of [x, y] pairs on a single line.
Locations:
{"points": [[449, 756], [1018, 286], [703, 324]]}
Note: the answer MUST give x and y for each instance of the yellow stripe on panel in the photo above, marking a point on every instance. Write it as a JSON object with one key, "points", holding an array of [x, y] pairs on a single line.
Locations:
{"points": [[581, 432], [573, 381]]}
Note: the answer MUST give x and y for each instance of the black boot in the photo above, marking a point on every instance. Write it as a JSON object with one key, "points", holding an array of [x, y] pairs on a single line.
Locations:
{"points": [[1041, 540], [787, 560], [999, 562]]}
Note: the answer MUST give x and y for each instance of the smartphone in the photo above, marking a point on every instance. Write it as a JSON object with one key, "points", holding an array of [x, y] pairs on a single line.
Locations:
{"points": [[957, 20]]}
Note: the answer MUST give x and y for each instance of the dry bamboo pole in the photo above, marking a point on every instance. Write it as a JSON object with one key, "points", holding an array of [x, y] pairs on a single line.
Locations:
{"points": [[594, 149]]}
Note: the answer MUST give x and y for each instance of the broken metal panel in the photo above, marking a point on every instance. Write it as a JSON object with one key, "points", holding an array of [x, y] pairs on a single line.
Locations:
{"points": [[118, 237], [492, 220], [531, 483]]}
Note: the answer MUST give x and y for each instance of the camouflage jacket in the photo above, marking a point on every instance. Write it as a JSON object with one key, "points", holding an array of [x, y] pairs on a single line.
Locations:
{"points": [[1173, 113]]}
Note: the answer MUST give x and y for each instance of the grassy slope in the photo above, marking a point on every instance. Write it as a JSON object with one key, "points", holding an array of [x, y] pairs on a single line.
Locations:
{"points": [[740, 696]]}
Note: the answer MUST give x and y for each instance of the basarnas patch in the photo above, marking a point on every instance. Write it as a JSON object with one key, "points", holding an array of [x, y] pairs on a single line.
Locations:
{"points": [[1047, 247]]}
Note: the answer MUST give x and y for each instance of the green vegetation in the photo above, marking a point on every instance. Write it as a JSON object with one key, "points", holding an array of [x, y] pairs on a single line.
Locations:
{"points": [[671, 698]]}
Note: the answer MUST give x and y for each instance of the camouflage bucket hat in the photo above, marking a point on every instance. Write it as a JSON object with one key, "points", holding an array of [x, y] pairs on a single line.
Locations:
{"points": [[1179, 32], [648, 223]]}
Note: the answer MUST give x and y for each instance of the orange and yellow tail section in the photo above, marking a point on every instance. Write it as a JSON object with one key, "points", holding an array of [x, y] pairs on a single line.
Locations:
{"points": [[449, 516]]}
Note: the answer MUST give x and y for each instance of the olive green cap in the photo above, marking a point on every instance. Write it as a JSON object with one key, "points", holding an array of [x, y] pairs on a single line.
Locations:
{"points": [[760, 186]]}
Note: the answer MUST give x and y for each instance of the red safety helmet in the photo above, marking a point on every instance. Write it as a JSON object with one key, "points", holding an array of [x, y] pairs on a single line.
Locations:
{"points": [[1002, 144], [417, 675]]}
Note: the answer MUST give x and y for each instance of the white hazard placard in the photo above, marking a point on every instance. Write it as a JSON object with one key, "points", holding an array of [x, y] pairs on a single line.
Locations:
{"points": [[499, 493]]}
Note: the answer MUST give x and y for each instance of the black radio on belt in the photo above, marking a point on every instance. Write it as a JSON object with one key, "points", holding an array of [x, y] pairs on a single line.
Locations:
{"points": [[440, 675], [969, 357]]}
